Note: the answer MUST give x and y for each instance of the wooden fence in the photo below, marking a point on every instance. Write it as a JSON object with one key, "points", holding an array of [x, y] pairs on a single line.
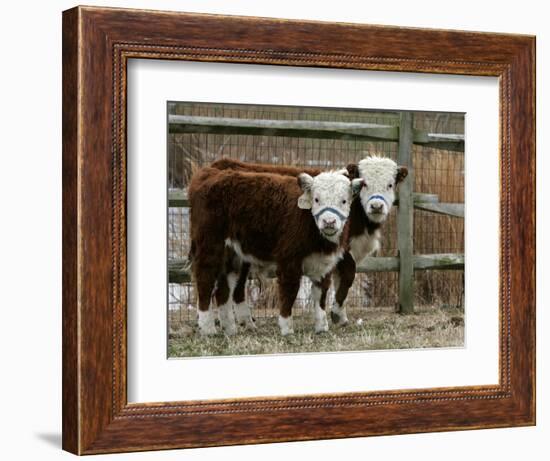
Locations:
{"points": [[404, 134]]}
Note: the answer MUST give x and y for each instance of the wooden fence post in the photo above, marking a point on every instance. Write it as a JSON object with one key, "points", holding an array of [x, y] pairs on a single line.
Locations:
{"points": [[405, 216]]}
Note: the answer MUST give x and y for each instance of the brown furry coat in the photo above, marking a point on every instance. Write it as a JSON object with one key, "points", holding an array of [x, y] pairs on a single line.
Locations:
{"points": [[260, 212]]}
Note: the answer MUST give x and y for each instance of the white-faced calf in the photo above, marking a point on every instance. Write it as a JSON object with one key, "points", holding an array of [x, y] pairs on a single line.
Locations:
{"points": [[369, 211], [296, 226]]}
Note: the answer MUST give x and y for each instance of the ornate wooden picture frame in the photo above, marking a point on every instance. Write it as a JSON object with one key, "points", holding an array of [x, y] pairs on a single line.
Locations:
{"points": [[97, 44]]}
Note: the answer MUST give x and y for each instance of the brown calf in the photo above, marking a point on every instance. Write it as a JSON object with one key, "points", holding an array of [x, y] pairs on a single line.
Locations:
{"points": [[295, 226]]}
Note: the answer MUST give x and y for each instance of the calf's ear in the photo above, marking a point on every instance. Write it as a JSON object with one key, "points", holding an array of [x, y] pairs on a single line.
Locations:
{"points": [[402, 173], [305, 201], [356, 186], [353, 170]]}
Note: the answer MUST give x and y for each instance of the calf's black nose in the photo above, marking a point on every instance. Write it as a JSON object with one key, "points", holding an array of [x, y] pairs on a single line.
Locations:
{"points": [[330, 223]]}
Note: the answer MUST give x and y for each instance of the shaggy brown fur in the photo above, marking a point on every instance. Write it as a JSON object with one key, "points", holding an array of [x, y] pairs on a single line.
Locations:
{"points": [[259, 210], [230, 164]]}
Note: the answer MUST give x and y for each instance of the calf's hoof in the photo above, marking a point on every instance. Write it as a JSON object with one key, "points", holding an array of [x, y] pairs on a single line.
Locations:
{"points": [[338, 319], [227, 321], [285, 324], [207, 323], [321, 325], [248, 324], [244, 316]]}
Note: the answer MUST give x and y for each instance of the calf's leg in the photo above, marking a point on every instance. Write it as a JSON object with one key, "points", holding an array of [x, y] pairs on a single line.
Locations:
{"points": [[319, 294], [343, 277], [289, 284], [224, 291], [242, 309], [206, 267]]}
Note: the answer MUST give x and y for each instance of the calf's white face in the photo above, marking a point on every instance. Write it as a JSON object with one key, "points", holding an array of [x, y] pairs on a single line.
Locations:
{"points": [[328, 196], [381, 176]]}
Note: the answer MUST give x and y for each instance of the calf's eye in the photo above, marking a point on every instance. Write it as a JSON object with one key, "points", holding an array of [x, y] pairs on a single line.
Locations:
{"points": [[390, 186], [316, 200], [344, 202]]}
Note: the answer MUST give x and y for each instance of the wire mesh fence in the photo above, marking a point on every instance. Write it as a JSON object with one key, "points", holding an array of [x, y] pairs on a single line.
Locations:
{"points": [[437, 171]]}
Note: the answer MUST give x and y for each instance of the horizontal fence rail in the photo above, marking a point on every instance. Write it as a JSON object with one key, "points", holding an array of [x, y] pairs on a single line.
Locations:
{"points": [[179, 269], [177, 198], [310, 129]]}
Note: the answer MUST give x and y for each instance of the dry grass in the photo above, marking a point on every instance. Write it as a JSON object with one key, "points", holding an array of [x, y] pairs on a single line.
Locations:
{"points": [[372, 329]]}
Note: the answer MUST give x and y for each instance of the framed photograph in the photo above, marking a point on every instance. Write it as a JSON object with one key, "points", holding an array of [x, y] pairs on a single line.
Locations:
{"points": [[282, 230]]}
